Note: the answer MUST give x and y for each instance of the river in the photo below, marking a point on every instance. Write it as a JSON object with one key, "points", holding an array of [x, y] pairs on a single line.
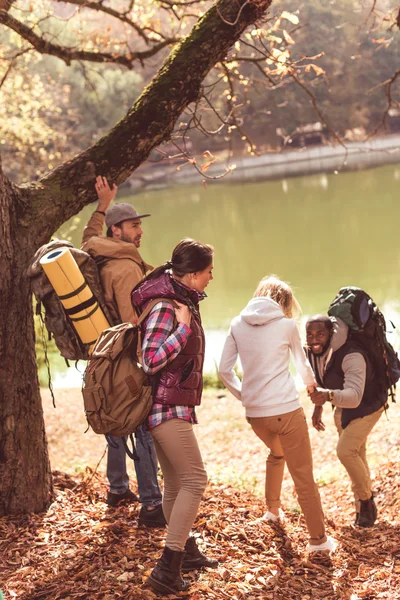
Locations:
{"points": [[319, 233]]}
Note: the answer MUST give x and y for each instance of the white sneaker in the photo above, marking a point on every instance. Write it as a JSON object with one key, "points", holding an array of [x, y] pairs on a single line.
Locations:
{"points": [[330, 546], [269, 516]]}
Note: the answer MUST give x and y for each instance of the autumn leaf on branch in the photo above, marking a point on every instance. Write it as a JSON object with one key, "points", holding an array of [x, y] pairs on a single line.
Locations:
{"points": [[318, 70], [208, 164]]}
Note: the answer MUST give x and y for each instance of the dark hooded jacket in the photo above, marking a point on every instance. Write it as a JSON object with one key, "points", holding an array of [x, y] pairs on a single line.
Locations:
{"points": [[180, 381]]}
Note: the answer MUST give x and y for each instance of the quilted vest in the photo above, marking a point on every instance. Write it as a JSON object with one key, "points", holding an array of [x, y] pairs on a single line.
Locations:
{"points": [[333, 379], [180, 382]]}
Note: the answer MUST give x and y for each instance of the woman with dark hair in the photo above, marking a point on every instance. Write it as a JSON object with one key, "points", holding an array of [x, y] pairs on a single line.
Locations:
{"points": [[173, 355]]}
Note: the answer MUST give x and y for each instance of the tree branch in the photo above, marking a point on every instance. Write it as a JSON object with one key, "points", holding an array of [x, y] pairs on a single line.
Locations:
{"points": [[388, 91], [6, 4], [11, 65], [99, 6], [66, 190], [183, 4], [69, 54]]}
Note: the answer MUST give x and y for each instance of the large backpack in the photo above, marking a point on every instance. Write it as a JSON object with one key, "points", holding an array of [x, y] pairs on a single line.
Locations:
{"points": [[117, 393], [367, 328], [56, 320]]}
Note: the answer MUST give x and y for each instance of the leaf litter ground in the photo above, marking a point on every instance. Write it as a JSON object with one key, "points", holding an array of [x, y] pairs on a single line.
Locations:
{"points": [[80, 548]]}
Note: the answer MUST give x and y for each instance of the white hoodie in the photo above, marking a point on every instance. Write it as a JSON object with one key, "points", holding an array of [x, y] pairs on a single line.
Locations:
{"points": [[263, 337]]}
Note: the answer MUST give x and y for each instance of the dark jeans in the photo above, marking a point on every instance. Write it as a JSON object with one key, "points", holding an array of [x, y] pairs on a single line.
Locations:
{"points": [[146, 468]]}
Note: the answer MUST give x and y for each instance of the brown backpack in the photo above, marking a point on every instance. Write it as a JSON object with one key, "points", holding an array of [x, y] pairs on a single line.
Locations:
{"points": [[116, 391]]}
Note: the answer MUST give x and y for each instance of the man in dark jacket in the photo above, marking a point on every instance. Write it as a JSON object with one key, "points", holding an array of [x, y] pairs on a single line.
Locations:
{"points": [[121, 267], [346, 378]]}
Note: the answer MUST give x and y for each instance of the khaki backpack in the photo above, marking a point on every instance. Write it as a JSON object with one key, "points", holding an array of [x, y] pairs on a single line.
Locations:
{"points": [[116, 391]]}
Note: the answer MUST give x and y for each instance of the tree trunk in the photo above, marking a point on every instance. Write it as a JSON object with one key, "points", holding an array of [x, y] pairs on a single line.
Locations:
{"points": [[30, 214], [25, 477]]}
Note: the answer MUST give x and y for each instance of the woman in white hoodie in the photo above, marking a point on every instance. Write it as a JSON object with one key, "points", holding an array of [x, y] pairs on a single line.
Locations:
{"points": [[263, 335]]}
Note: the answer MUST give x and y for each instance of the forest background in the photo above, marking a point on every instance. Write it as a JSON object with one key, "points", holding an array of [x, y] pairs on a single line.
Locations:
{"points": [[64, 108]]}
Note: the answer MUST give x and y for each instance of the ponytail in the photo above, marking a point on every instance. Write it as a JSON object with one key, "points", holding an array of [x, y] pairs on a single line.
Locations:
{"points": [[189, 256]]}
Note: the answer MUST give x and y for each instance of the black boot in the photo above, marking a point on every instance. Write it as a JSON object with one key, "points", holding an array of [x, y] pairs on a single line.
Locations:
{"points": [[195, 559], [152, 518], [368, 513], [115, 499], [166, 576]]}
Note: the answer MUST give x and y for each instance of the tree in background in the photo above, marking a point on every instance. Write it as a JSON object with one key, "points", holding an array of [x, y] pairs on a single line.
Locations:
{"points": [[264, 83]]}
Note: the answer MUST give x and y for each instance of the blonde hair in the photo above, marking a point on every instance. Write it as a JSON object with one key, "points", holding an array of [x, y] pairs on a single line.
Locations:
{"points": [[272, 287]]}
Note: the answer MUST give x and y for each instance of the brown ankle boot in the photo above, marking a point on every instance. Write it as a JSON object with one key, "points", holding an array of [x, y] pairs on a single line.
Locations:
{"points": [[166, 576]]}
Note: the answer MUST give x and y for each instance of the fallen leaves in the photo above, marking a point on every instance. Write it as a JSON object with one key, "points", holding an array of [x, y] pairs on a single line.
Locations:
{"points": [[81, 549]]}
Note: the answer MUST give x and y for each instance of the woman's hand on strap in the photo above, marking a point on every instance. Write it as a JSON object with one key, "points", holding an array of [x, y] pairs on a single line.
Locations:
{"points": [[182, 313]]}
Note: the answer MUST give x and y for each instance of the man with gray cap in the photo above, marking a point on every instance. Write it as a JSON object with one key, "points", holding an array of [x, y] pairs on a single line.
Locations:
{"points": [[121, 267]]}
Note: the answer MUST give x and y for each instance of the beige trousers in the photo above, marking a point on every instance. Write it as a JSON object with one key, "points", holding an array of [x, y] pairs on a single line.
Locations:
{"points": [[288, 440], [185, 477], [352, 452]]}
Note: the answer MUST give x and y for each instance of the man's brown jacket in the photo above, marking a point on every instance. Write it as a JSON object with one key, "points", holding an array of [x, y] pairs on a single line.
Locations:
{"points": [[120, 265]]}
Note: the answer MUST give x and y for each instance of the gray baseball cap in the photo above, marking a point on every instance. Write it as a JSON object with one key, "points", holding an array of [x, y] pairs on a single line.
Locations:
{"points": [[122, 212]]}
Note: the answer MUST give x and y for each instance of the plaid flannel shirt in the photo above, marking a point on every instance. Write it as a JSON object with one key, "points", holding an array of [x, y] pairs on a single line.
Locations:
{"points": [[162, 342]]}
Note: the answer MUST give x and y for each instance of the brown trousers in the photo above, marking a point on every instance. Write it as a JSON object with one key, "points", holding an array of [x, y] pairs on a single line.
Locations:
{"points": [[185, 477], [288, 440], [351, 450]]}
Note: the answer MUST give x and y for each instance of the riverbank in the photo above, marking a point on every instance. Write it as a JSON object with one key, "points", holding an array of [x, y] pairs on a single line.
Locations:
{"points": [[327, 159]]}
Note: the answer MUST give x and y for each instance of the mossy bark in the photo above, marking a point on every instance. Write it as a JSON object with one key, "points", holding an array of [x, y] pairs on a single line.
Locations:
{"points": [[25, 477], [31, 213]]}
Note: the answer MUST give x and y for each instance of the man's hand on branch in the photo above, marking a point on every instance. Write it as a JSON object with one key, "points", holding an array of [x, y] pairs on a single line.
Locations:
{"points": [[105, 194]]}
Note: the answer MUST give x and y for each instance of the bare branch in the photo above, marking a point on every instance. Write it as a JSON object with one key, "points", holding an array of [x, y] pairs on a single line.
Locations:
{"points": [[233, 23], [389, 84], [69, 54], [183, 4], [316, 107], [6, 4], [235, 120], [11, 65], [99, 6], [193, 162]]}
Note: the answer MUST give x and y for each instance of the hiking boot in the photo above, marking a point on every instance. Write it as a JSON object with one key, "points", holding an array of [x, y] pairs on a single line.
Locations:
{"points": [[114, 500], [166, 576], [194, 559], [357, 518], [152, 518], [368, 513]]}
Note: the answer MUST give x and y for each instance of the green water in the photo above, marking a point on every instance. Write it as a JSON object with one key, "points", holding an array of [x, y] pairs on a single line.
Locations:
{"points": [[319, 233]]}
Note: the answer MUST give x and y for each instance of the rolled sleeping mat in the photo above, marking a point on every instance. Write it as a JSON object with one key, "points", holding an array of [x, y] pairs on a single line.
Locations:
{"points": [[76, 297]]}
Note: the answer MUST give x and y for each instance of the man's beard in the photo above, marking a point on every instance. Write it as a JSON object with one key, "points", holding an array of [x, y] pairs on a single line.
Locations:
{"points": [[324, 349], [136, 241]]}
